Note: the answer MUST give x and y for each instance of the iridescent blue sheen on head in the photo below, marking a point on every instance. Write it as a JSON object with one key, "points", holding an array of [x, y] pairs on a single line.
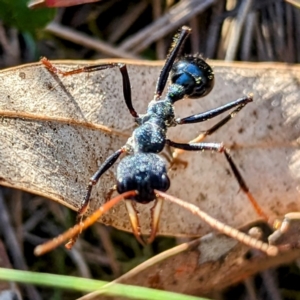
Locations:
{"points": [[191, 76]]}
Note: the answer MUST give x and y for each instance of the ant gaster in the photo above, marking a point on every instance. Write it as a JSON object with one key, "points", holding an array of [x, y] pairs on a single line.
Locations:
{"points": [[142, 174]]}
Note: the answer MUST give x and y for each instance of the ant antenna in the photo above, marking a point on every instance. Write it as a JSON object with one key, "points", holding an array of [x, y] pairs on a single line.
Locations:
{"points": [[78, 228], [221, 227]]}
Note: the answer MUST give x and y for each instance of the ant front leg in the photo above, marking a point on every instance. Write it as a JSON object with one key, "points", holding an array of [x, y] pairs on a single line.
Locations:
{"points": [[86, 200], [89, 69], [239, 104], [175, 51], [219, 147]]}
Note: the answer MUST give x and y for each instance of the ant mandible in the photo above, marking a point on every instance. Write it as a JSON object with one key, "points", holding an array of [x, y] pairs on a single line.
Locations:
{"points": [[142, 174]]}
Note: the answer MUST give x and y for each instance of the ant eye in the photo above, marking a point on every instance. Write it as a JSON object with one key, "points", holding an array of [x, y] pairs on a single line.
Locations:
{"points": [[165, 182]]}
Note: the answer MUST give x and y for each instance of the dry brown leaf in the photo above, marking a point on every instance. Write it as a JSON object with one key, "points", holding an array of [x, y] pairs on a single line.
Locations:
{"points": [[214, 265], [205, 265], [55, 132]]}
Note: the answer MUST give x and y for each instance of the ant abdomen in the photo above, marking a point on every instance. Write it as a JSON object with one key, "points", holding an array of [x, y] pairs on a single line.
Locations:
{"points": [[194, 75]]}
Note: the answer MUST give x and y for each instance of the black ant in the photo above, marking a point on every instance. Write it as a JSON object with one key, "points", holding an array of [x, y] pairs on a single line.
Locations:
{"points": [[142, 174]]}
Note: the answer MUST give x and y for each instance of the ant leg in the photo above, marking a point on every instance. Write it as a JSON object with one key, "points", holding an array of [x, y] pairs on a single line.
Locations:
{"points": [[175, 51], [206, 133], [122, 67], [239, 103], [204, 116], [168, 154], [219, 147], [221, 227], [244, 186], [155, 217], [77, 229], [134, 221], [93, 180]]}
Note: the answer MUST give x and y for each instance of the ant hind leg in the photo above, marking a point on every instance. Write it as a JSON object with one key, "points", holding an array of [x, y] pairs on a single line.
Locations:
{"points": [[219, 147]]}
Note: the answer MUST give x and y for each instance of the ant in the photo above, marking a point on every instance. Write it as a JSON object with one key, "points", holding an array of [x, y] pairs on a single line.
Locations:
{"points": [[142, 174]]}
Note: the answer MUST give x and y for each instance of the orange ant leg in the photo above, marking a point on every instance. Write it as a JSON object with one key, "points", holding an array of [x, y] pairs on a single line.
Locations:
{"points": [[155, 217], [219, 147], [74, 231], [134, 221], [221, 227]]}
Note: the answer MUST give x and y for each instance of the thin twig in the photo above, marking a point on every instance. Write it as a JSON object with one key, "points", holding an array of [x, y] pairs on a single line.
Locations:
{"points": [[297, 32], [169, 22], [80, 262], [17, 216], [96, 259], [290, 55], [126, 21], [87, 41], [237, 30], [296, 3], [160, 45], [214, 30], [195, 35], [248, 36], [35, 219], [145, 265], [267, 33], [75, 255], [13, 246], [270, 284], [250, 287], [8, 290], [109, 249], [261, 51], [278, 31]]}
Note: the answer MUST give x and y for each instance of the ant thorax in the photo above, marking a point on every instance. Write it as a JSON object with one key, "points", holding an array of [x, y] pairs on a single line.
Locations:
{"points": [[163, 109], [150, 136]]}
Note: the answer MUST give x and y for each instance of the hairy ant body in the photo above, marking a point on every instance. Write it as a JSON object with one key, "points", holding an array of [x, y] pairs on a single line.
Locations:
{"points": [[142, 174]]}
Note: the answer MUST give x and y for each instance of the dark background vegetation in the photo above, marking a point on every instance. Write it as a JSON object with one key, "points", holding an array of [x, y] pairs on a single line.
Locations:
{"points": [[226, 30]]}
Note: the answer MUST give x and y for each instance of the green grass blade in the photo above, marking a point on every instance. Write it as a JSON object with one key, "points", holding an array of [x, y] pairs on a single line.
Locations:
{"points": [[88, 285]]}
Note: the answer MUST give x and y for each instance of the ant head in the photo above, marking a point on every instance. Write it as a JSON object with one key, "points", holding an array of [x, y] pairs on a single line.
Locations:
{"points": [[194, 77], [147, 173]]}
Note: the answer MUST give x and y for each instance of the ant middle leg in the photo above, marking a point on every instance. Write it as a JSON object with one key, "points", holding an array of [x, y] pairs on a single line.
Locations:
{"points": [[87, 199], [219, 147], [239, 104], [93, 68]]}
